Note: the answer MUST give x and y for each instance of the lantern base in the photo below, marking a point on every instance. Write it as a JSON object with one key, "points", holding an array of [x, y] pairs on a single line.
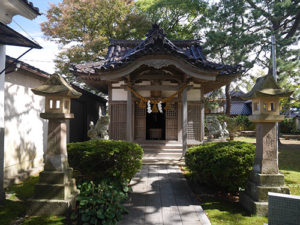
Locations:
{"points": [[54, 194], [50, 207], [255, 198]]}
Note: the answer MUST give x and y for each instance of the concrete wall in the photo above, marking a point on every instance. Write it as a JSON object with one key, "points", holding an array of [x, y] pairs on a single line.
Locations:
{"points": [[25, 131]]}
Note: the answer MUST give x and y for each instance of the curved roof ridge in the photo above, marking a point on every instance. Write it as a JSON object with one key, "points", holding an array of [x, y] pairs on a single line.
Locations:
{"points": [[122, 52]]}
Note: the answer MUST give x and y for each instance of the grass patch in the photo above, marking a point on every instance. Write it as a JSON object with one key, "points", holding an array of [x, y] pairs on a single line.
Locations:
{"points": [[289, 164], [246, 139], [53, 220], [225, 210], [221, 208], [22, 191], [15, 205], [11, 210], [229, 213]]}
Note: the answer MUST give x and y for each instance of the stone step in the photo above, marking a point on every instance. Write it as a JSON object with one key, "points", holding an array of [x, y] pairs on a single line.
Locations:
{"points": [[161, 146], [55, 177], [50, 207], [158, 156], [260, 193], [54, 191], [146, 150]]}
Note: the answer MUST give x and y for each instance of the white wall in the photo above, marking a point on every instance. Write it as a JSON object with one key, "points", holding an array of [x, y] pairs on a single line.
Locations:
{"points": [[194, 95], [25, 131]]}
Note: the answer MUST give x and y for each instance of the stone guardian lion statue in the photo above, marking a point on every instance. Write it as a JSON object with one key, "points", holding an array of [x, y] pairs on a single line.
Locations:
{"points": [[100, 130]]}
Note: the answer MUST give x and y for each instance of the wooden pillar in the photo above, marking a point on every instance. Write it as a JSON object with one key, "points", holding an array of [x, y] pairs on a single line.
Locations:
{"points": [[129, 117], [2, 130], [184, 121], [202, 116]]}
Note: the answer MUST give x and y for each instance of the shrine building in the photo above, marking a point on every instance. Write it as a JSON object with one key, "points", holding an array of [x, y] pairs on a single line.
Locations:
{"points": [[155, 88]]}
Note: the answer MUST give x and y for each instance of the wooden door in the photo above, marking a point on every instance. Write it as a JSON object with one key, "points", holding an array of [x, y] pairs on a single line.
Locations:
{"points": [[172, 122], [140, 123], [118, 120]]}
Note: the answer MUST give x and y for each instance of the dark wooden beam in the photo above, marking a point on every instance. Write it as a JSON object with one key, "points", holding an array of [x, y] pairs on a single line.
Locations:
{"points": [[156, 87]]}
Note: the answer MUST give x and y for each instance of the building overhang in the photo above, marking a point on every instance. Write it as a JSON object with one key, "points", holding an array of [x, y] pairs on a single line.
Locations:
{"points": [[10, 37], [159, 62], [10, 8]]}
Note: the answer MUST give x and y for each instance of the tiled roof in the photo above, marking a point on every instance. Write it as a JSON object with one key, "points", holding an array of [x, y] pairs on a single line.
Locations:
{"points": [[239, 108], [32, 7], [122, 52], [12, 61]]}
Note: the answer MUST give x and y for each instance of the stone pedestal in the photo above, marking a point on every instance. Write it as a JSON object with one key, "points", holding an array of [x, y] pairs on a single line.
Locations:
{"points": [[56, 191], [265, 176]]}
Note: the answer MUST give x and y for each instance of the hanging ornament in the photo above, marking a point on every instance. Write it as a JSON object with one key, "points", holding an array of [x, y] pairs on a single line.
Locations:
{"points": [[149, 110], [159, 106], [154, 108], [142, 104]]}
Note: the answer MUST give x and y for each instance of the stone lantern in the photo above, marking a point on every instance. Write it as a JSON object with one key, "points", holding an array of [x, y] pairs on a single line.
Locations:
{"points": [[265, 176], [56, 190]]}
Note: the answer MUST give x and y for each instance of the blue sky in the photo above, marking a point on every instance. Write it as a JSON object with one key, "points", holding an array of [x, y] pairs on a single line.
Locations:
{"points": [[40, 58]]}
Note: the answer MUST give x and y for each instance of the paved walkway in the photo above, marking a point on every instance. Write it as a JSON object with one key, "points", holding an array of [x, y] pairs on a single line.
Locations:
{"points": [[161, 196]]}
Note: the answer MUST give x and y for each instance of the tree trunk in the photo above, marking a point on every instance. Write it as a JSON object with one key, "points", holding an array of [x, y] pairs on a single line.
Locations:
{"points": [[228, 99]]}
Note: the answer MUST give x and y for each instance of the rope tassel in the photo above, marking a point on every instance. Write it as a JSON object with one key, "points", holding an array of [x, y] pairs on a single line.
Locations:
{"points": [[154, 108]]}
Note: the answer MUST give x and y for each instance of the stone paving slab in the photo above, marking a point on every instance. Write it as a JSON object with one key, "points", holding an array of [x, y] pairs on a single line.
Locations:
{"points": [[161, 196]]}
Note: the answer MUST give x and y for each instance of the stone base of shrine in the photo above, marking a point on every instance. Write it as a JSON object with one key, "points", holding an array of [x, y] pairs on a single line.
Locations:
{"points": [[255, 197]]}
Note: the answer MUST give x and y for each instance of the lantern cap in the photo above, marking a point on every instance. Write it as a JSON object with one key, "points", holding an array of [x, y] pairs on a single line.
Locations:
{"points": [[56, 85], [266, 86]]}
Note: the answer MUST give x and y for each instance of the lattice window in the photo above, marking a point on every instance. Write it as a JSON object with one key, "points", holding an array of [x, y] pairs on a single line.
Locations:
{"points": [[140, 123], [172, 123], [140, 111], [172, 111], [194, 122]]}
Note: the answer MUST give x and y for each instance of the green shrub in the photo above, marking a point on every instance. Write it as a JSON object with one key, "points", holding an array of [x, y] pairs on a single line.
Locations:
{"points": [[243, 122], [287, 126], [225, 165], [100, 203], [98, 159]]}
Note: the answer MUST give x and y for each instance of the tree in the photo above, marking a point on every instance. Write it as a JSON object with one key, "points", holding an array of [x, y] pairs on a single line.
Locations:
{"points": [[84, 28], [226, 37], [240, 31], [178, 18]]}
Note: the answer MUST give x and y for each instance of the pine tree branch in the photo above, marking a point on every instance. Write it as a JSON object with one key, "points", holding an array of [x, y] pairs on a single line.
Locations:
{"points": [[265, 14], [294, 28]]}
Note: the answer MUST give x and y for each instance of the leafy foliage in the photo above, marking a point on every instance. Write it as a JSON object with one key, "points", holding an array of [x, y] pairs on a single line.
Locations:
{"points": [[225, 165], [243, 122], [98, 159], [86, 27], [287, 126], [100, 203], [178, 18]]}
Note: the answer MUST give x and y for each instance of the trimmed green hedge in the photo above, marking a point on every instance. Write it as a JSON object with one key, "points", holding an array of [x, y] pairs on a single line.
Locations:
{"points": [[225, 165], [98, 159]]}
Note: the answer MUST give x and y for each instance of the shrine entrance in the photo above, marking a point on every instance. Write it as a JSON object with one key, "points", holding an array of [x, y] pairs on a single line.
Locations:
{"points": [[156, 125], [156, 70]]}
